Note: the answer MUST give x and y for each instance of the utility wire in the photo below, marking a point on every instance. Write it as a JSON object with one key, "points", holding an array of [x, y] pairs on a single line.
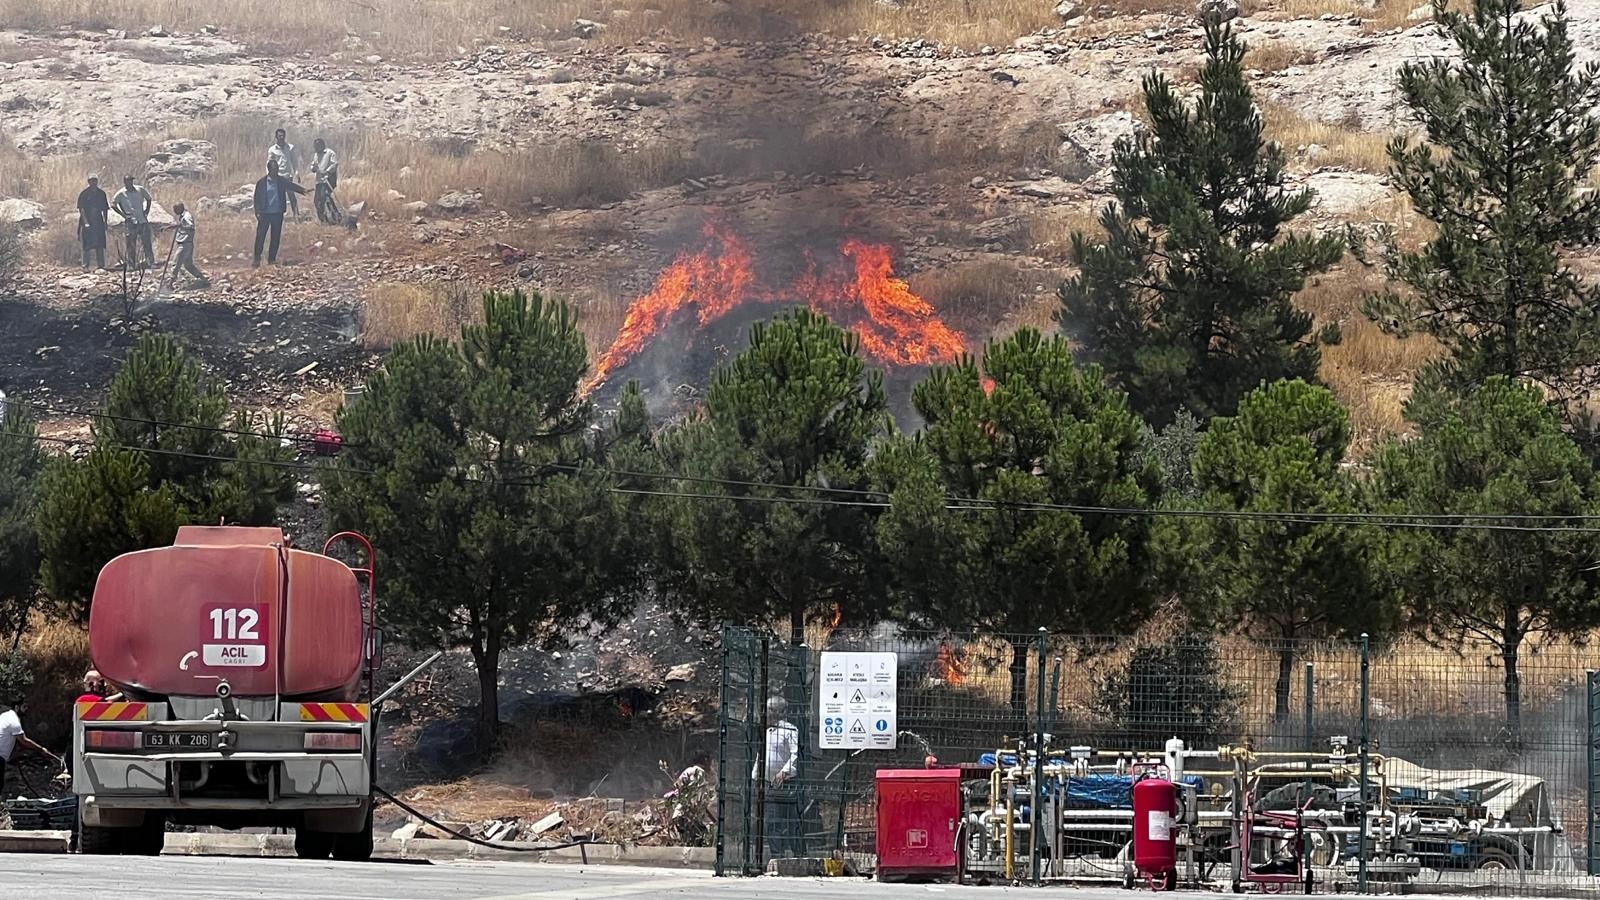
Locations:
{"points": [[1421, 521], [880, 498]]}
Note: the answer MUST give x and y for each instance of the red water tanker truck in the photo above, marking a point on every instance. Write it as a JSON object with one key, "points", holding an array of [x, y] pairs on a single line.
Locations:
{"points": [[245, 668]]}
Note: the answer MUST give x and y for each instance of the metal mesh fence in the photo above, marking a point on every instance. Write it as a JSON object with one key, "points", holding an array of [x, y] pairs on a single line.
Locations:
{"points": [[1476, 781]]}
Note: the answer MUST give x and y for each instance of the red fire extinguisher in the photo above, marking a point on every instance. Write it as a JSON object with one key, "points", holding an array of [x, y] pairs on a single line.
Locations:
{"points": [[1155, 836]]}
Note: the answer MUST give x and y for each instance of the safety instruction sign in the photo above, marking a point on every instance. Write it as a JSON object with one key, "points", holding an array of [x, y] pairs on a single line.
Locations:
{"points": [[858, 701]]}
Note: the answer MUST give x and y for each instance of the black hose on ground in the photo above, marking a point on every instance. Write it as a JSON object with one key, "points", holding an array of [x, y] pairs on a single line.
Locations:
{"points": [[492, 844]]}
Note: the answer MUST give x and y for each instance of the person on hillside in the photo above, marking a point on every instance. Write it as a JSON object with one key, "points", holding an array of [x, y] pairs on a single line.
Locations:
{"points": [[325, 168], [184, 241], [133, 204], [287, 156], [12, 736], [273, 192], [782, 793], [93, 211]]}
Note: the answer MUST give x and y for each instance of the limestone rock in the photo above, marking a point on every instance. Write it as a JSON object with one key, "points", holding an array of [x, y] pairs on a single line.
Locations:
{"points": [[180, 159]]}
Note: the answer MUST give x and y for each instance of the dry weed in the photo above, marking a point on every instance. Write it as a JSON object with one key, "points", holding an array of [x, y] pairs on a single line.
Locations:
{"points": [[1275, 56], [1341, 145], [393, 312], [434, 28], [57, 652], [1050, 231]]}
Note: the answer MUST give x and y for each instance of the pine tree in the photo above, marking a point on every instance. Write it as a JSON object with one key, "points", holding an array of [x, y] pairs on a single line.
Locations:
{"points": [[1511, 141], [472, 468], [1280, 581], [166, 452], [798, 409], [1049, 432], [1187, 302], [1497, 450], [21, 462]]}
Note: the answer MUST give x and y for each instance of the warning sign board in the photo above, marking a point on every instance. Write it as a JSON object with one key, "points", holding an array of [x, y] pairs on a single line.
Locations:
{"points": [[857, 711]]}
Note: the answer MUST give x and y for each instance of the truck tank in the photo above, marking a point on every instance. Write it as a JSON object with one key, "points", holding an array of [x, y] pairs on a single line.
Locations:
{"points": [[228, 603]]}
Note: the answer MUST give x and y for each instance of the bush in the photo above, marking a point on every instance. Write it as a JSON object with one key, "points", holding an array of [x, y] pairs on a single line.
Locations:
{"points": [[1175, 688], [11, 247]]}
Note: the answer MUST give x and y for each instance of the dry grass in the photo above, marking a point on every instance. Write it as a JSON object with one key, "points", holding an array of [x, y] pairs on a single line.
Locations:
{"points": [[1342, 145], [437, 27], [600, 314], [1275, 56], [1050, 231], [1388, 14], [58, 654], [393, 312], [1369, 371], [973, 294]]}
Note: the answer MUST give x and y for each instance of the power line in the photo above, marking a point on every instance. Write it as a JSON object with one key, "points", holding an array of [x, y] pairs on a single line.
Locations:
{"points": [[1420, 521], [881, 498]]}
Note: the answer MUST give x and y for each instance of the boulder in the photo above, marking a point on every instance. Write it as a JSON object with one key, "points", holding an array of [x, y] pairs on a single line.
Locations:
{"points": [[393, 196], [22, 213], [1068, 9], [180, 159], [459, 201], [587, 29], [1087, 145], [416, 207], [1226, 10]]}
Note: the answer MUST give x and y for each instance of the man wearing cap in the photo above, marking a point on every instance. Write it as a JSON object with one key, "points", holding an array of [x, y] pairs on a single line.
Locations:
{"points": [[92, 210], [133, 204]]}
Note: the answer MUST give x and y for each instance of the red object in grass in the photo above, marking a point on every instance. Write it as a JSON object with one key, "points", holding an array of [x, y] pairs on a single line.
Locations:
{"points": [[326, 442]]}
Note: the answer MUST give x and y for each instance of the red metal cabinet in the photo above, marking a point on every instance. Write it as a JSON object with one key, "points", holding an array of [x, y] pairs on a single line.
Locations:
{"points": [[918, 813]]}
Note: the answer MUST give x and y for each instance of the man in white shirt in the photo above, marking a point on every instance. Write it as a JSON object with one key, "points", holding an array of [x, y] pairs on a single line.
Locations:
{"points": [[12, 737], [133, 204], [288, 159], [325, 168], [782, 794], [184, 241]]}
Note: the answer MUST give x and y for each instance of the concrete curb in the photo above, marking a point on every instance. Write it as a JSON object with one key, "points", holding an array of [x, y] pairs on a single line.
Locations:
{"points": [[282, 845], [35, 841]]}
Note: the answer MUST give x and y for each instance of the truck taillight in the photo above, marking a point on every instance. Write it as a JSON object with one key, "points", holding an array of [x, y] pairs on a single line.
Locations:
{"points": [[333, 740], [110, 739]]}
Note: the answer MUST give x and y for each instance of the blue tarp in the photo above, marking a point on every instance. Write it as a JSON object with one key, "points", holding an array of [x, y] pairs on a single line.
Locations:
{"points": [[1092, 791]]}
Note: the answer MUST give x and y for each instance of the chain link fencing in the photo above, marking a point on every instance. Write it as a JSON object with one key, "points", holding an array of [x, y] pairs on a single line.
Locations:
{"points": [[1477, 781]]}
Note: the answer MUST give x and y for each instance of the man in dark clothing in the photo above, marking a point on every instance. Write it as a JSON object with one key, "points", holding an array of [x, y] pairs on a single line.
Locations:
{"points": [[271, 198], [92, 210]]}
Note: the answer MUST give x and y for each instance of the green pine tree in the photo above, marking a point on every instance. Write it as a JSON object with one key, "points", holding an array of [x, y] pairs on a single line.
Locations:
{"points": [[21, 463], [166, 452], [1187, 302], [1511, 141], [472, 469], [1497, 450], [1278, 580], [1049, 432], [797, 409]]}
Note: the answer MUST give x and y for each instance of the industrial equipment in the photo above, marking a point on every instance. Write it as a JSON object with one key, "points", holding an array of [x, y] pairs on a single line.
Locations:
{"points": [[246, 671]]}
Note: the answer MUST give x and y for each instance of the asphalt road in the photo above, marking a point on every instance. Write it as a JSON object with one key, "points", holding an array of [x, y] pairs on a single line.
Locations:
{"points": [[62, 877]]}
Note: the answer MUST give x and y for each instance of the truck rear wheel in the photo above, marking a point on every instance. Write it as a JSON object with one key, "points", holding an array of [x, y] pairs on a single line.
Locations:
{"points": [[357, 846], [97, 841], [310, 844]]}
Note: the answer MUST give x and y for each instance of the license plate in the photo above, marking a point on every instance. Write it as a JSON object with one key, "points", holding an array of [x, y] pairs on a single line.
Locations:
{"points": [[177, 740]]}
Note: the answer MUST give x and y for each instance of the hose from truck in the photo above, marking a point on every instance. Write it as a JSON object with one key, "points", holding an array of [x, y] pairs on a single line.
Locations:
{"points": [[494, 845]]}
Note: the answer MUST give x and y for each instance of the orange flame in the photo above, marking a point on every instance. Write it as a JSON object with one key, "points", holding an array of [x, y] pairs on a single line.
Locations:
{"points": [[895, 326], [951, 664], [715, 278]]}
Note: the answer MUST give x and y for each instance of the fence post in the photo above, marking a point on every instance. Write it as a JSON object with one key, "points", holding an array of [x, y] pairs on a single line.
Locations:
{"points": [[760, 698], [1366, 665], [722, 759], [1591, 840], [1038, 763]]}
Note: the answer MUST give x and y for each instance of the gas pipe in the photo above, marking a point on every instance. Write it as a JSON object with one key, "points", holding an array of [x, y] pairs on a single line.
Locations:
{"points": [[1155, 839]]}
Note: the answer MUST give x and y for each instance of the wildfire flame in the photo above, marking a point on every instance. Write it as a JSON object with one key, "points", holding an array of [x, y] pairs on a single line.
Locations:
{"points": [[950, 664], [895, 326]]}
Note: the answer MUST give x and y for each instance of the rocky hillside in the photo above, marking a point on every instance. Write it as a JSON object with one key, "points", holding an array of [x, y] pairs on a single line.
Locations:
{"points": [[582, 156]]}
